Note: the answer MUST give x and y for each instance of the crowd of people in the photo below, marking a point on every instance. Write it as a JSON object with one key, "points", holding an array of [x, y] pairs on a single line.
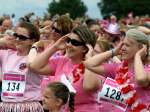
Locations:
{"points": [[63, 65]]}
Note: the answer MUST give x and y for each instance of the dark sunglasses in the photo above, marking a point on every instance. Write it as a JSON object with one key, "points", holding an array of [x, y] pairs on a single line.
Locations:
{"points": [[56, 30], [75, 42], [21, 37]]}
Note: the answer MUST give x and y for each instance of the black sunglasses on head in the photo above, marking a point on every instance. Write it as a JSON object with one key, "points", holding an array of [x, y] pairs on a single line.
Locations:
{"points": [[56, 30], [21, 37], [75, 42]]}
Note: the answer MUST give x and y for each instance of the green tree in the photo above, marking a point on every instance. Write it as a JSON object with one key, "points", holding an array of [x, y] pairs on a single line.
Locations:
{"points": [[76, 8], [123, 7]]}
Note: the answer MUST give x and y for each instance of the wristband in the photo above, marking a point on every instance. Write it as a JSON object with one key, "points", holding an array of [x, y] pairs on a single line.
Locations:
{"points": [[113, 52], [34, 47]]}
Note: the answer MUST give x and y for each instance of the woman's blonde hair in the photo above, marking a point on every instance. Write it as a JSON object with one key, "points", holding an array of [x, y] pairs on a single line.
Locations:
{"points": [[139, 36]]}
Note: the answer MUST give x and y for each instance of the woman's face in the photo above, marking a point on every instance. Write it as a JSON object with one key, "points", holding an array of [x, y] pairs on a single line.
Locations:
{"points": [[49, 100], [129, 48], [22, 43], [75, 48], [96, 30]]}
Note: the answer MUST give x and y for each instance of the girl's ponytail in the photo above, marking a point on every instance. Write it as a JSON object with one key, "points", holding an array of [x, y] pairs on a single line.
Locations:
{"points": [[71, 101]]}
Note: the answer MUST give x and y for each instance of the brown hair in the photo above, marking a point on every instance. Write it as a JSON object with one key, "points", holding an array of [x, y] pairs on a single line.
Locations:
{"points": [[64, 24], [33, 30], [61, 91], [105, 45], [86, 35]]}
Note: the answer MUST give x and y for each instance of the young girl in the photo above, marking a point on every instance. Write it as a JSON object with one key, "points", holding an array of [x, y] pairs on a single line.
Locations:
{"points": [[55, 96]]}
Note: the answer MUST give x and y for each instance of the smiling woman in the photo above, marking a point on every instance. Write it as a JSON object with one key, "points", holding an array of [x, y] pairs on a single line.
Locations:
{"points": [[64, 66], [134, 53], [20, 86]]}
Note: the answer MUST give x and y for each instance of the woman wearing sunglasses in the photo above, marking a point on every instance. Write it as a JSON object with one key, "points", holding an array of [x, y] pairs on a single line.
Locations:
{"points": [[20, 86], [60, 27], [76, 49]]}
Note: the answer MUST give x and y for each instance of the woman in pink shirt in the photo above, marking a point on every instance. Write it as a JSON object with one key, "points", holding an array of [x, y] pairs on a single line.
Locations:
{"points": [[76, 49], [61, 26], [21, 90], [134, 50]]}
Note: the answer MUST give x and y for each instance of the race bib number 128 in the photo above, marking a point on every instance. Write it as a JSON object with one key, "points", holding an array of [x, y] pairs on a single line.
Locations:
{"points": [[111, 93]]}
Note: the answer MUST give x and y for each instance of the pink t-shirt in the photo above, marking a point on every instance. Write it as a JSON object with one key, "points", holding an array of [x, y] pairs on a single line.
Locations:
{"points": [[84, 101], [47, 79], [12, 63], [142, 92]]}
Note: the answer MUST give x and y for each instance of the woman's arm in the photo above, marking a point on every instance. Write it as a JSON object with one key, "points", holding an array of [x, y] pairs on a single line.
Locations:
{"points": [[98, 59], [94, 63], [141, 76], [7, 42], [91, 82], [40, 62], [2, 42]]}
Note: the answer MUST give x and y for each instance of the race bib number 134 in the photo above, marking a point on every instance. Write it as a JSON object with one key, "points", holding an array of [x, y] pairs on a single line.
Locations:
{"points": [[13, 85]]}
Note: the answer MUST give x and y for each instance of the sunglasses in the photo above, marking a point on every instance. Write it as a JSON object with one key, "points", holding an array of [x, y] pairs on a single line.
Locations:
{"points": [[75, 42], [56, 30], [21, 37]]}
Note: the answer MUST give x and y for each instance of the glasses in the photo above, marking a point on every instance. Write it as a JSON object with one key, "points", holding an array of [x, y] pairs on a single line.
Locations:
{"points": [[56, 30], [21, 37], [75, 42]]}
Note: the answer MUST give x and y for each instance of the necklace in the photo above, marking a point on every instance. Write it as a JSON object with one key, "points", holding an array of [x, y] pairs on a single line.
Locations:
{"points": [[77, 72], [131, 97]]}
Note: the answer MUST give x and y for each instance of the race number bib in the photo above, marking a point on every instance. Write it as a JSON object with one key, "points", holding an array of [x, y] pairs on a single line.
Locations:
{"points": [[111, 93], [65, 81], [13, 85]]}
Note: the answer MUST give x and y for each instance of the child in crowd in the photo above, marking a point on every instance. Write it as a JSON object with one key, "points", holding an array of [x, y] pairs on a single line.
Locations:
{"points": [[55, 96]]}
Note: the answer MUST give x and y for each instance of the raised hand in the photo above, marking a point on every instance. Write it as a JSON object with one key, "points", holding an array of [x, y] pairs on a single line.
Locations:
{"points": [[9, 41], [90, 51], [40, 45], [61, 43], [143, 51], [117, 50]]}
